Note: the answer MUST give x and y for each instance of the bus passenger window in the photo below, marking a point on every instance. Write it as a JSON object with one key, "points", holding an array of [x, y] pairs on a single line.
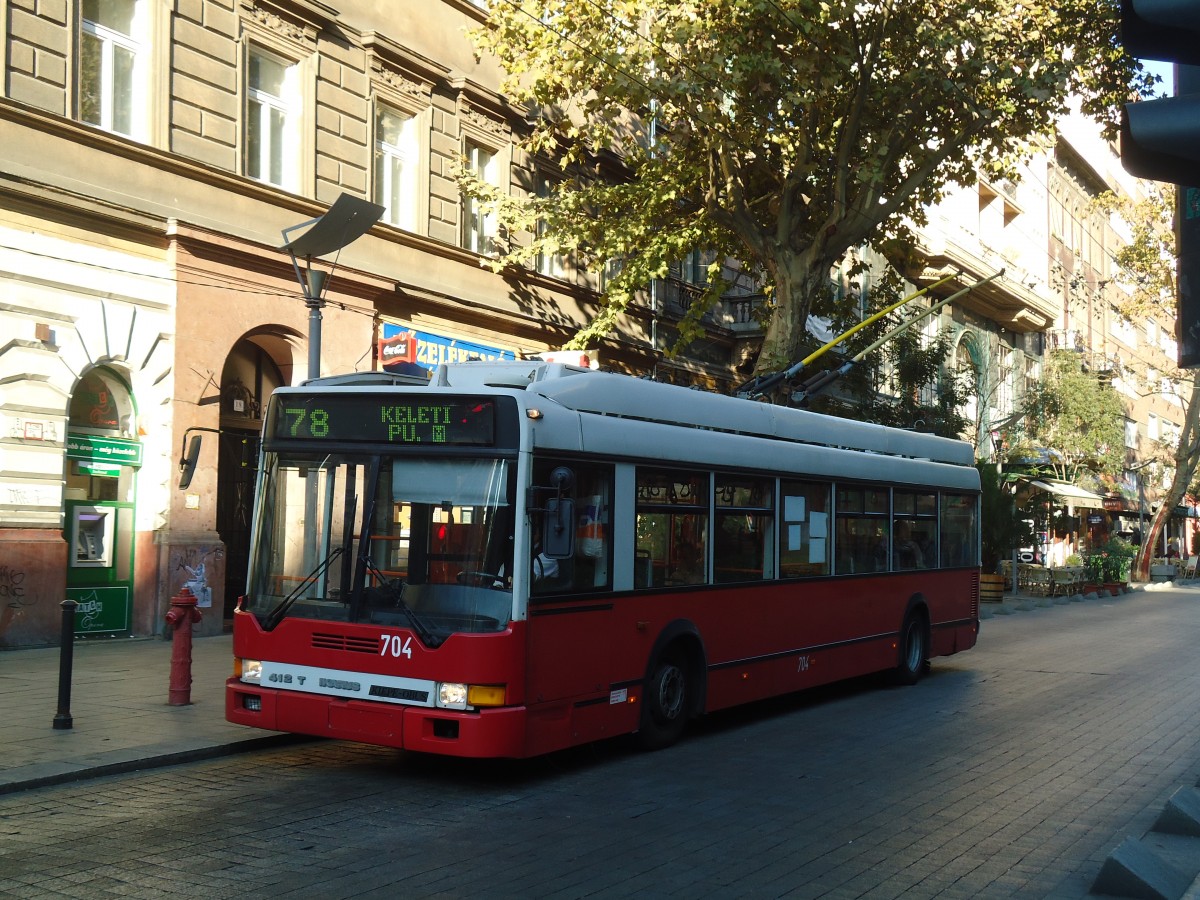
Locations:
{"points": [[590, 568], [906, 551], [862, 534], [914, 531], [743, 539], [959, 530], [804, 545], [672, 527]]}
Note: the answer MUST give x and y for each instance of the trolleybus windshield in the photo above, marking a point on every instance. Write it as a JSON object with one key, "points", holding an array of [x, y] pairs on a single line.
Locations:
{"points": [[421, 543]]}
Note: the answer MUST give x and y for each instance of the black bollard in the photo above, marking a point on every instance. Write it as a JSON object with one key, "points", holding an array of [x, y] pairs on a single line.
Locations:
{"points": [[66, 654]]}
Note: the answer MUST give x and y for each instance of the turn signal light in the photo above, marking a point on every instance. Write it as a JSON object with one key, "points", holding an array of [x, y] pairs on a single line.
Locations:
{"points": [[485, 695]]}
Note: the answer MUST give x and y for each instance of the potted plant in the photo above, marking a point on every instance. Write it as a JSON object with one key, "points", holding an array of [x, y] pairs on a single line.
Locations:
{"points": [[1109, 565]]}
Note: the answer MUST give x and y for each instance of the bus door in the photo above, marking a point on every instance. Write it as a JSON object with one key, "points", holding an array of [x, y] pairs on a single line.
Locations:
{"points": [[570, 610]]}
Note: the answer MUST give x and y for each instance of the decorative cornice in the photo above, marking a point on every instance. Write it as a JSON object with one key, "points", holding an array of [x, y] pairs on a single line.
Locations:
{"points": [[484, 122], [299, 21]]}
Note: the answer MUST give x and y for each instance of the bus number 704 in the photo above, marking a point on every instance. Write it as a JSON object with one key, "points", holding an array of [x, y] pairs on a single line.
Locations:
{"points": [[395, 645]]}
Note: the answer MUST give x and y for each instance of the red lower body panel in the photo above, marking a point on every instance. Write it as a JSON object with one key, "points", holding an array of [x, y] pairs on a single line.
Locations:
{"points": [[488, 733]]}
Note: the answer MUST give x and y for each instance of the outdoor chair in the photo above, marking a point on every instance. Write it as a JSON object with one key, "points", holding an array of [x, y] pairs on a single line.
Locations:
{"points": [[1035, 579], [1064, 581], [1189, 571]]}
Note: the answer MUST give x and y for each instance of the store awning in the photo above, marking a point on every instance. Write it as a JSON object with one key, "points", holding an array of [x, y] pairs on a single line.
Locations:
{"points": [[1075, 494]]}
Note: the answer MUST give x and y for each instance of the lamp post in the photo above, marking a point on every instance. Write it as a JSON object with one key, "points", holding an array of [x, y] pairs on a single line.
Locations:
{"points": [[348, 219]]}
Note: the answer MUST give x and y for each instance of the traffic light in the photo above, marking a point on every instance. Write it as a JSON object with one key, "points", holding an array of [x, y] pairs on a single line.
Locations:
{"points": [[1161, 29], [1160, 139]]}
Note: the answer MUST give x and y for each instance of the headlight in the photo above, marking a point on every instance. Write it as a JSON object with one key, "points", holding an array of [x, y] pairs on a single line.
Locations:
{"points": [[249, 670], [452, 695]]}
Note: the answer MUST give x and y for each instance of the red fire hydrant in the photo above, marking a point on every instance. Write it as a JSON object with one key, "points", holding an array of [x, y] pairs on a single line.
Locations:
{"points": [[181, 616]]}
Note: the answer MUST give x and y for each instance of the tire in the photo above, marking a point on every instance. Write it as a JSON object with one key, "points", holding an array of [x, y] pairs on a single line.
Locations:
{"points": [[913, 648], [665, 701]]}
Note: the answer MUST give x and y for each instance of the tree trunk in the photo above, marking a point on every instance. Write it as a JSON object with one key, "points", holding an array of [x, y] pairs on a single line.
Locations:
{"points": [[1150, 540], [796, 279], [1187, 453]]}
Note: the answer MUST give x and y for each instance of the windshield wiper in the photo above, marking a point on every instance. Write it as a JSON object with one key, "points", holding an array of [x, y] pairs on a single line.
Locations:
{"points": [[275, 616], [393, 590]]}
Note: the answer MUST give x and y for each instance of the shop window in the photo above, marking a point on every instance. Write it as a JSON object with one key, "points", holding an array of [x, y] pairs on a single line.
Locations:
{"points": [[101, 450]]}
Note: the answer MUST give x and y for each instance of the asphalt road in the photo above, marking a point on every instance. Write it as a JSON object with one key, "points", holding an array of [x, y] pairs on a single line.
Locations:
{"points": [[1011, 771]]}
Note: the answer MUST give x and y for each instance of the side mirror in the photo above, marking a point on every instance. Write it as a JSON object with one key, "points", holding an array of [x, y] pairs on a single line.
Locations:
{"points": [[558, 528], [187, 465]]}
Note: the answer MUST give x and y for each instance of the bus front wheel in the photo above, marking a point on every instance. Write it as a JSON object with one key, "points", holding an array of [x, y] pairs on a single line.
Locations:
{"points": [[913, 649], [665, 704]]}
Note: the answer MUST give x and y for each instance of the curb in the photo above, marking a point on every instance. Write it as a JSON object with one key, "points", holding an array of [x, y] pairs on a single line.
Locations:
{"points": [[160, 761]]}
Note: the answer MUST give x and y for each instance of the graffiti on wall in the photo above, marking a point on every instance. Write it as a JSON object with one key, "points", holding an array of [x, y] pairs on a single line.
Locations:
{"points": [[13, 598], [194, 563]]}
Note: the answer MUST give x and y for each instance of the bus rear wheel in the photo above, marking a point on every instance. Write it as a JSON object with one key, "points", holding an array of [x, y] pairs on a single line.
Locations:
{"points": [[665, 704], [913, 649]]}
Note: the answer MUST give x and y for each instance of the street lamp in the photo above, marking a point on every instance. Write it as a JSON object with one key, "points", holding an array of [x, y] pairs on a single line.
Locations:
{"points": [[343, 223]]}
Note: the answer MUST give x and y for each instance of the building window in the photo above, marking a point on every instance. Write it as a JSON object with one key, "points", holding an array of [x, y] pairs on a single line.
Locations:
{"points": [[693, 270], [397, 156], [1131, 434], [547, 263], [1152, 426], [110, 52], [1123, 330], [272, 119], [479, 227], [610, 270]]}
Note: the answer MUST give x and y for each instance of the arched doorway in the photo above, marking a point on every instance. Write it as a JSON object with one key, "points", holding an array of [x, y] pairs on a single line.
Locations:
{"points": [[99, 501], [254, 368]]}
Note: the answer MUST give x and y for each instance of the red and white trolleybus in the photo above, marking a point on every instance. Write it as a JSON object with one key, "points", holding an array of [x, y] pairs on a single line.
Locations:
{"points": [[520, 557]]}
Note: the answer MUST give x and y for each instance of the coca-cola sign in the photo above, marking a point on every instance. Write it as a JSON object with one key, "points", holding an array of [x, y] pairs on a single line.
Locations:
{"points": [[401, 347]]}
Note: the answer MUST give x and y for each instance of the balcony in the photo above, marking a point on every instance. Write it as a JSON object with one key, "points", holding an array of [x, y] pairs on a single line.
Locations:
{"points": [[735, 312]]}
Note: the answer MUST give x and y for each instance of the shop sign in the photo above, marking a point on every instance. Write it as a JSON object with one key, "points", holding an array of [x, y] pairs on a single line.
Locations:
{"points": [[100, 609], [1113, 504], [102, 449], [99, 469], [404, 347], [1096, 518]]}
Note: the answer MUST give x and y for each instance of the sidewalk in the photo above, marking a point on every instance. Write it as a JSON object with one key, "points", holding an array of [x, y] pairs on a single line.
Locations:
{"points": [[121, 720]]}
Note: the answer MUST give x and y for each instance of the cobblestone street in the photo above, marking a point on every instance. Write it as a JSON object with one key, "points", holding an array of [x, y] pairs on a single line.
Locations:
{"points": [[1011, 771]]}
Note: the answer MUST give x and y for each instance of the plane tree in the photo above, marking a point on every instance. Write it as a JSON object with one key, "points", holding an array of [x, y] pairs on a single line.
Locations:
{"points": [[780, 133], [1146, 272]]}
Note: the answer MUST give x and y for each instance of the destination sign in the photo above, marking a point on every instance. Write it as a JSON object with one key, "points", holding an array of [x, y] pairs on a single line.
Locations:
{"points": [[383, 419]]}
